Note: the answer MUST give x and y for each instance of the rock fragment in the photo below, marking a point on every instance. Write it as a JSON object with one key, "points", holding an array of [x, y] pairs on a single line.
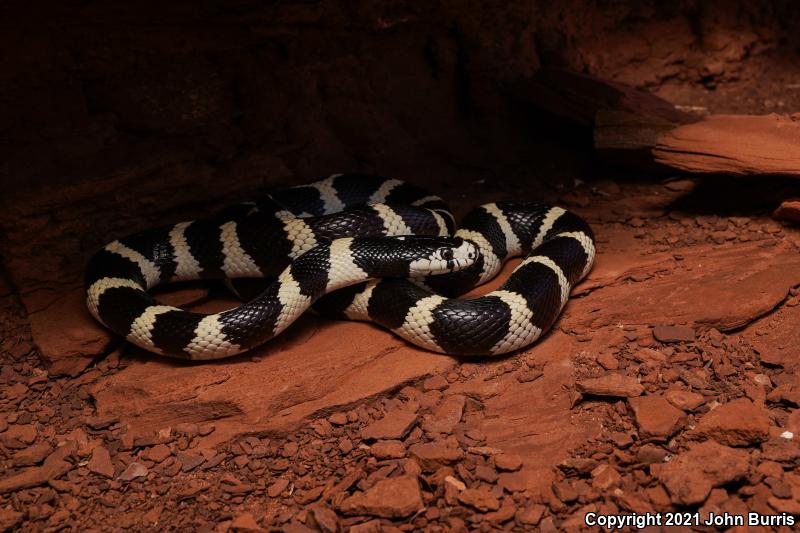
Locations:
{"points": [[481, 499], [437, 382], [9, 518], [789, 210], [388, 449], [324, 518], [338, 419], [531, 515], [32, 455], [690, 476], [100, 463], [245, 523], [656, 417], [277, 488], [397, 497], [432, 455], [446, 415], [508, 462], [133, 471], [190, 461], [605, 477], [684, 399], [737, 423], [157, 453], [54, 466], [614, 385], [394, 426]]}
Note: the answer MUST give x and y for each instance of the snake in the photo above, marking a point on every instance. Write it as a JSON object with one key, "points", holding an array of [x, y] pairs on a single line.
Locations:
{"points": [[351, 246]]}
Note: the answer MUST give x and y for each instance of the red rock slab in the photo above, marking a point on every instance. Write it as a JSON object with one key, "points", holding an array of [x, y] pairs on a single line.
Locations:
{"points": [[389, 498], [737, 423], [734, 144], [67, 336], [710, 287], [776, 337], [534, 420], [690, 476], [789, 211], [656, 417], [394, 425], [314, 366]]}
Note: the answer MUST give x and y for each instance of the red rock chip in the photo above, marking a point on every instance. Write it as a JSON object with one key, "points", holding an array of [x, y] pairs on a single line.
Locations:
{"points": [[480, 499], [393, 426], [389, 498], [388, 449], [690, 476], [684, 400], [508, 462], [736, 423], [656, 417]]}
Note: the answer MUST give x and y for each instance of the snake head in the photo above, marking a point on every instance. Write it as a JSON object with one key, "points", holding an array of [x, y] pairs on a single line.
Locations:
{"points": [[442, 255]]}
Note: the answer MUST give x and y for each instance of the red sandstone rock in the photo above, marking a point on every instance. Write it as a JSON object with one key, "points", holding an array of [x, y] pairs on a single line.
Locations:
{"points": [[431, 455], [508, 462], [437, 382], [32, 455], [683, 399], [389, 498], [25, 433], [703, 292], [480, 499], [734, 144], [605, 477], [65, 333], [446, 415], [245, 523], [690, 476], [615, 385], [736, 423], [157, 453], [388, 449], [789, 211], [54, 466], [100, 463], [9, 518], [133, 471], [531, 515], [278, 487], [393, 426], [788, 393], [656, 417], [775, 338], [504, 514], [324, 518]]}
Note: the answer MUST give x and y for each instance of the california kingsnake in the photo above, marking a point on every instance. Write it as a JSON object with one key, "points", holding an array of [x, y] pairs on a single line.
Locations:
{"points": [[321, 243]]}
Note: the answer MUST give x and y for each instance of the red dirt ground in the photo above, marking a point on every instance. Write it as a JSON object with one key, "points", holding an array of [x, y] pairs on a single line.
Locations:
{"points": [[670, 382]]}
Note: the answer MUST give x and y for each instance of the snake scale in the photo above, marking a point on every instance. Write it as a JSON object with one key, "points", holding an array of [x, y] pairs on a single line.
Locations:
{"points": [[352, 246]]}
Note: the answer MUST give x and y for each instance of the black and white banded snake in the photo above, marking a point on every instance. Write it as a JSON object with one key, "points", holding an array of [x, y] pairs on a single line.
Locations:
{"points": [[354, 246]]}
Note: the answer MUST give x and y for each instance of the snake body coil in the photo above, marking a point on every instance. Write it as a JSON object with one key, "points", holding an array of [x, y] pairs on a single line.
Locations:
{"points": [[354, 246]]}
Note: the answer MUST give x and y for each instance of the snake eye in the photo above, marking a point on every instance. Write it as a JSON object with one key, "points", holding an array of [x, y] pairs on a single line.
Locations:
{"points": [[447, 254]]}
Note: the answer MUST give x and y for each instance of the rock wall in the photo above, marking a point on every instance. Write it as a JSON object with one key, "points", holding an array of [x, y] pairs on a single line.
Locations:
{"points": [[89, 88]]}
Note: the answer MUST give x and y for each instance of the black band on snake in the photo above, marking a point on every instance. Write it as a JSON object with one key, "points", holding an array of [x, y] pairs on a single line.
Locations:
{"points": [[355, 246]]}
